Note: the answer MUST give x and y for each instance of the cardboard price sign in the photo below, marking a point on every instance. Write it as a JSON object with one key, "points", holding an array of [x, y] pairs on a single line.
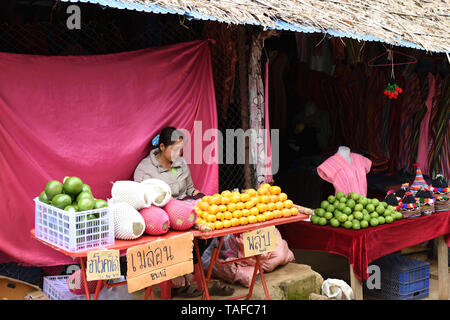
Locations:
{"points": [[260, 241], [159, 261], [102, 265]]}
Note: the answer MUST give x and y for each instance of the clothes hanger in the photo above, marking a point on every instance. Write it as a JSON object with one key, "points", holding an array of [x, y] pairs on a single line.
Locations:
{"points": [[390, 53]]}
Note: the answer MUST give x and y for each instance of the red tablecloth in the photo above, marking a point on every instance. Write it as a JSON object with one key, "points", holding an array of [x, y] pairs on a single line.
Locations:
{"points": [[361, 247]]}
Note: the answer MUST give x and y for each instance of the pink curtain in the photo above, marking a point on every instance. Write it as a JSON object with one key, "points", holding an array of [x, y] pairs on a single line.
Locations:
{"points": [[93, 117]]}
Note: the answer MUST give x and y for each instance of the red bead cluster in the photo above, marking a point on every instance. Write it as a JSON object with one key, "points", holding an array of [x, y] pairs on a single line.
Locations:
{"points": [[392, 91]]}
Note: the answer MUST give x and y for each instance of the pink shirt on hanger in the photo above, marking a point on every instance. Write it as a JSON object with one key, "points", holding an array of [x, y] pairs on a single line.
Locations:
{"points": [[344, 176]]}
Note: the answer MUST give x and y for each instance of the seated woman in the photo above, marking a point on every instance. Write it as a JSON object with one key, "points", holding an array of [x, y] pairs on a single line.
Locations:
{"points": [[165, 163]]}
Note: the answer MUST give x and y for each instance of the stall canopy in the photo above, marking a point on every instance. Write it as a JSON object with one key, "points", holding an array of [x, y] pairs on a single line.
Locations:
{"points": [[411, 23]]}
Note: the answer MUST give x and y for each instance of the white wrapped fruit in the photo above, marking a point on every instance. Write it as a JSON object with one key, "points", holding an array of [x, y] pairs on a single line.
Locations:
{"points": [[157, 191], [131, 192], [128, 222]]}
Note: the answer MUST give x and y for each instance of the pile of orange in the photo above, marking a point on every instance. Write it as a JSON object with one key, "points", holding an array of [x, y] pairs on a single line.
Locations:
{"points": [[231, 209]]}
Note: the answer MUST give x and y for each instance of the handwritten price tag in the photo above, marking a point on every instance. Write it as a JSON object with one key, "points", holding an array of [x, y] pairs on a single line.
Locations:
{"points": [[102, 265], [158, 261], [260, 241]]}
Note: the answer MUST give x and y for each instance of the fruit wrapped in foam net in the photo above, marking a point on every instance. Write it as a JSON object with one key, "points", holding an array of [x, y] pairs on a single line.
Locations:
{"points": [[158, 191], [156, 220], [132, 193], [128, 222], [182, 215]]}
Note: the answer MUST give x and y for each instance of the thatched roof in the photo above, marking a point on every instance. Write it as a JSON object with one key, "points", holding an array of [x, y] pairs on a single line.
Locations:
{"points": [[422, 24]]}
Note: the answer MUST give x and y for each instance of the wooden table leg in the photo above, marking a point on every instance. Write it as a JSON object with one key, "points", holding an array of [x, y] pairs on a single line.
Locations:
{"points": [[442, 256], [356, 285]]}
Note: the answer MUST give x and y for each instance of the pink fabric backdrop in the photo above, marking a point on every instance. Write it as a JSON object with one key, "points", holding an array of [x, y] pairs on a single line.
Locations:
{"points": [[92, 117]]}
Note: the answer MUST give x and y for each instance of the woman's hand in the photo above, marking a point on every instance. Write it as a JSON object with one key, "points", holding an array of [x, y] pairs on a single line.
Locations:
{"points": [[196, 192]]}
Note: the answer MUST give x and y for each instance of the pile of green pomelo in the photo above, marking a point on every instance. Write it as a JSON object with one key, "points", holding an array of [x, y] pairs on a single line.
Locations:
{"points": [[72, 195], [354, 211]]}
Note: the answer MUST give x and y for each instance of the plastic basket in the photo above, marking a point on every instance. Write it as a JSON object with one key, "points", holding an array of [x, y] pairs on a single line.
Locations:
{"points": [[55, 287], [73, 231], [402, 278]]}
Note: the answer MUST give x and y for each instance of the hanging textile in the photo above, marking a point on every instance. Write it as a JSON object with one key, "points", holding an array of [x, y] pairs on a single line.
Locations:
{"points": [[93, 117]]}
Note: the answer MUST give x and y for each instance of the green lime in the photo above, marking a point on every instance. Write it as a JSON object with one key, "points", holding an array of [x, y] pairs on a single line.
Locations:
{"points": [[70, 208], [84, 195], [331, 208], [363, 201], [43, 197], [364, 224], [374, 222], [340, 195], [342, 218], [356, 225], [358, 207], [380, 209], [328, 215], [86, 188], [384, 204], [334, 223], [61, 200], [73, 185], [398, 215], [321, 212], [85, 204], [367, 217], [53, 188], [370, 207], [343, 200], [100, 203], [381, 220], [324, 204], [348, 224], [315, 219], [347, 211], [374, 215], [358, 215], [331, 199], [355, 197], [322, 221], [341, 206], [350, 217], [389, 219], [375, 202], [351, 203]]}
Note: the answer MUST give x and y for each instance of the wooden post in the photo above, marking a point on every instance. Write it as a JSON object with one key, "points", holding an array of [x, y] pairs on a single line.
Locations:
{"points": [[442, 253], [356, 285], [243, 73]]}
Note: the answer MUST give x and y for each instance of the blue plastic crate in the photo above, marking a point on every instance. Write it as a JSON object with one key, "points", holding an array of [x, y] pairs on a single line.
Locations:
{"points": [[402, 278]]}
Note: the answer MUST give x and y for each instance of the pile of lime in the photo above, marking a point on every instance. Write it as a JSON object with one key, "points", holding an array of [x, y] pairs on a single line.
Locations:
{"points": [[71, 195], [354, 211]]}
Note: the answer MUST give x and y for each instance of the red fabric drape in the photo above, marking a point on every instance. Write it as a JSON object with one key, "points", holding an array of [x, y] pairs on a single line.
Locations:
{"points": [[361, 247], [93, 117]]}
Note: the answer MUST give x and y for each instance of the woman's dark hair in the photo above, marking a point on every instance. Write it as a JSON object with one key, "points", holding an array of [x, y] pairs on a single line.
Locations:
{"points": [[169, 136]]}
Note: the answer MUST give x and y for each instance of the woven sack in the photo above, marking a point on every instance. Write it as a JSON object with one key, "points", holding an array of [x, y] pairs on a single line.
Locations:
{"points": [[75, 284], [128, 222], [130, 192], [158, 191], [182, 215], [156, 220]]}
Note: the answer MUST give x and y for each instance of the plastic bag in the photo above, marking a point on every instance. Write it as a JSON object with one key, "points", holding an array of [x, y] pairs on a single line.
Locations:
{"points": [[337, 289]]}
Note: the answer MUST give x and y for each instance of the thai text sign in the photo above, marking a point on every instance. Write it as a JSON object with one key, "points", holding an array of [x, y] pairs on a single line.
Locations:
{"points": [[159, 261], [260, 241], [102, 265]]}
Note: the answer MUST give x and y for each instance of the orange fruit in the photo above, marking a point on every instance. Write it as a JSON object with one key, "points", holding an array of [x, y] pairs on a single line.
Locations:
{"points": [[261, 207], [255, 200], [275, 190], [288, 204], [294, 211], [220, 216], [222, 208], [264, 199], [274, 198], [199, 220], [265, 185], [245, 212], [210, 225], [286, 213], [235, 198], [218, 225], [225, 193], [235, 222], [210, 200], [213, 209], [245, 197], [211, 218], [279, 205], [277, 213], [240, 205], [254, 211], [251, 192], [236, 193], [243, 221], [225, 200], [252, 219], [231, 206], [237, 214], [271, 206], [206, 198], [228, 215], [283, 196], [203, 205], [199, 214], [249, 204], [263, 191], [227, 224], [268, 215], [216, 199], [261, 217]]}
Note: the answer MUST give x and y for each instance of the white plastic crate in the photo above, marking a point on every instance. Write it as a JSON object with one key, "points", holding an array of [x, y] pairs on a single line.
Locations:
{"points": [[55, 287], [72, 231]]}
